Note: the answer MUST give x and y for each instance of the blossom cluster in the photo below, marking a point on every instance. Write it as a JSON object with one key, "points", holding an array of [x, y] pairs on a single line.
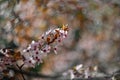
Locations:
{"points": [[5, 58], [8, 58], [49, 41], [81, 71]]}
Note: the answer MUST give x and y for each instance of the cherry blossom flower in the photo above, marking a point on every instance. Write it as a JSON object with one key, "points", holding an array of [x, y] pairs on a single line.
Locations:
{"points": [[49, 41]]}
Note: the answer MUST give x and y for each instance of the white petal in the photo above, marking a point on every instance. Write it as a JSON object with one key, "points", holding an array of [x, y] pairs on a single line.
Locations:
{"points": [[79, 66]]}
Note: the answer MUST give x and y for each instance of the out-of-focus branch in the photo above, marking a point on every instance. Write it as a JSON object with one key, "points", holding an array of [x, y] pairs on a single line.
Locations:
{"points": [[94, 78], [32, 74], [37, 75], [114, 76]]}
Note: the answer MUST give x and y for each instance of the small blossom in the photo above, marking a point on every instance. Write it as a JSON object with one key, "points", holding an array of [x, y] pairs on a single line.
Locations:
{"points": [[72, 76], [55, 50]]}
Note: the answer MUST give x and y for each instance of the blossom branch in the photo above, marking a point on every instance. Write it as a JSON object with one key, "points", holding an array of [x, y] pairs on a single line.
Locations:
{"points": [[34, 53]]}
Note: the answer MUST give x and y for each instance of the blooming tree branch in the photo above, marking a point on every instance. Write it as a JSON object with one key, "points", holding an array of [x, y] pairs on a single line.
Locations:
{"points": [[35, 51]]}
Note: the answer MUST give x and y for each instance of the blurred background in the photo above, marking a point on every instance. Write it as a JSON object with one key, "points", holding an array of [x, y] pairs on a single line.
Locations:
{"points": [[93, 38]]}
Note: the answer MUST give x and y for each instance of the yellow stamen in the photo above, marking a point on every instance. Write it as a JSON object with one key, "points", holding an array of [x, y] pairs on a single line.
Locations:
{"points": [[65, 28]]}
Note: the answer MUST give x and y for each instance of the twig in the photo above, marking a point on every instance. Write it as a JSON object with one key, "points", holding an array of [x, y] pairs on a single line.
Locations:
{"points": [[20, 68]]}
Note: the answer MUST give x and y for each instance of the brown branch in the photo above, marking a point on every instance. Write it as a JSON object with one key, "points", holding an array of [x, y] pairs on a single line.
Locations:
{"points": [[20, 68]]}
